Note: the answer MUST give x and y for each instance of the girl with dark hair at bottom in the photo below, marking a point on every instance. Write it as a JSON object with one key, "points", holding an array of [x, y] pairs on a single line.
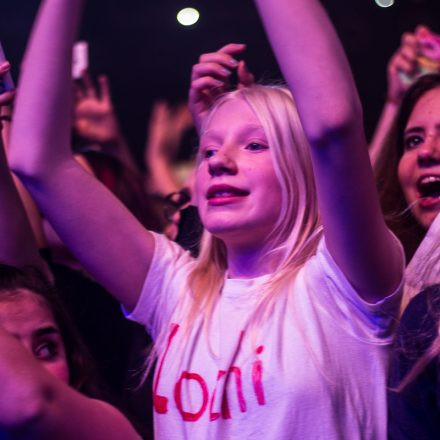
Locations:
{"points": [[46, 388]]}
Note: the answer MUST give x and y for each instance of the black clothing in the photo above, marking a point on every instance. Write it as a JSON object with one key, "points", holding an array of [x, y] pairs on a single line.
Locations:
{"points": [[414, 413]]}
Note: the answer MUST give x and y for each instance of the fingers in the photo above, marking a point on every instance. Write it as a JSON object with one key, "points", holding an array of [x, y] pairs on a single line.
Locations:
{"points": [[210, 77], [87, 85], [218, 64], [429, 47], [182, 116], [233, 48], [245, 78], [422, 31], [104, 88], [405, 58], [5, 67], [206, 87], [160, 113], [211, 69], [6, 98]]}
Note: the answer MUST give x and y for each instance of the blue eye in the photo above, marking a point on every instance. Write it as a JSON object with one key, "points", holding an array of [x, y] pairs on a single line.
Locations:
{"points": [[256, 146], [412, 141]]}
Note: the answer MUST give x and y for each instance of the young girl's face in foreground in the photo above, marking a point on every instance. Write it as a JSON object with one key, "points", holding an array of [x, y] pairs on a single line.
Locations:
{"points": [[237, 192], [29, 319], [419, 166]]}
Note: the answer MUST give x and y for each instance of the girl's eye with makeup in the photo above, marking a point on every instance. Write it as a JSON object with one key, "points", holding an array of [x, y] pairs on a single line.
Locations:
{"points": [[412, 141], [46, 350], [256, 146]]}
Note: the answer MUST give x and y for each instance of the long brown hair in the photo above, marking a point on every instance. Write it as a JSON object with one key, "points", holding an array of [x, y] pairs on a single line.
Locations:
{"points": [[398, 215]]}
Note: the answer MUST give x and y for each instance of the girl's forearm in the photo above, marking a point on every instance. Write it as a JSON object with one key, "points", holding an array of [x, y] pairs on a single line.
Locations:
{"points": [[37, 144]]}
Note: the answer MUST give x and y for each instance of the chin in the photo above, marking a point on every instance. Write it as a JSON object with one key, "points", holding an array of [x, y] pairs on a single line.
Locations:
{"points": [[425, 219]]}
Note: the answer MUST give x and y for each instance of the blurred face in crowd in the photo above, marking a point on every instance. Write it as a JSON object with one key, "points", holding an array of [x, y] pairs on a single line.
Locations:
{"points": [[27, 317], [419, 166]]}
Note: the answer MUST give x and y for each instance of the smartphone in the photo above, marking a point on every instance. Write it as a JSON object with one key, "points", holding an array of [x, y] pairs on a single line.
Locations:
{"points": [[6, 82], [80, 59]]}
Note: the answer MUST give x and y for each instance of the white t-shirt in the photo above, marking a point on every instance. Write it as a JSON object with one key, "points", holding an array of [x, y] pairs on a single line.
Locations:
{"points": [[315, 370]]}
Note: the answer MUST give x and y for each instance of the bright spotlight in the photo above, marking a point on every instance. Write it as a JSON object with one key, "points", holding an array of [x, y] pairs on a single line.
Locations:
{"points": [[384, 3], [188, 16]]}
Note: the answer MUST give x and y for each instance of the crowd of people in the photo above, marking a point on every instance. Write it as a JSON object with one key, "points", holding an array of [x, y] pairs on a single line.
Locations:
{"points": [[288, 286]]}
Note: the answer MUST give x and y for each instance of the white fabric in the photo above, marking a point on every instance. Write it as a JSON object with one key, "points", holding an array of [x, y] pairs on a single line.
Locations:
{"points": [[315, 370]]}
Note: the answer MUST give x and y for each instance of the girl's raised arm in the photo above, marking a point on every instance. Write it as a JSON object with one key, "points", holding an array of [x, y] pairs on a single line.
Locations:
{"points": [[100, 231], [316, 69]]}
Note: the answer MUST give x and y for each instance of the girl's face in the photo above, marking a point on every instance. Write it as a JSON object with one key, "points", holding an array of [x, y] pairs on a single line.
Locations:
{"points": [[419, 166], [30, 320], [236, 190]]}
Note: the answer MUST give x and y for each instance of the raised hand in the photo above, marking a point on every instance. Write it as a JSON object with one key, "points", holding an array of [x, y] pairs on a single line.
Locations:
{"points": [[165, 130], [402, 68], [429, 45], [94, 116], [210, 78]]}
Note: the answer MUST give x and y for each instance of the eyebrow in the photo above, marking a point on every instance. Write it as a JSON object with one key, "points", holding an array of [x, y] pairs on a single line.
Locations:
{"points": [[414, 130], [49, 330], [246, 130]]}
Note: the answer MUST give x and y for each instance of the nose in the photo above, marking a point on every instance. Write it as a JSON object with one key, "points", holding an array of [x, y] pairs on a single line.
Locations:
{"points": [[429, 152], [222, 162]]}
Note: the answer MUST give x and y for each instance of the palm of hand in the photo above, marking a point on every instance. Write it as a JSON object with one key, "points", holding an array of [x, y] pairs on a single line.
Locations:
{"points": [[95, 120]]}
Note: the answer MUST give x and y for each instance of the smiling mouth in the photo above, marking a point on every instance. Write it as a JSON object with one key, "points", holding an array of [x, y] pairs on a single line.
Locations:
{"points": [[429, 191], [218, 195]]}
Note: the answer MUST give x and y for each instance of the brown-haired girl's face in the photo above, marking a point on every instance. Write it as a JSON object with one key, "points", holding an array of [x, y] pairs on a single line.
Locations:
{"points": [[419, 166], [29, 319]]}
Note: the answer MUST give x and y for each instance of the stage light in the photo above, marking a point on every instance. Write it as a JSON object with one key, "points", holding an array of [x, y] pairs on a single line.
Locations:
{"points": [[384, 3], [188, 16]]}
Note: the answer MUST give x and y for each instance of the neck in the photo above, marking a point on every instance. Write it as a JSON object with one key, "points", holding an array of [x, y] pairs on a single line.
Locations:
{"points": [[248, 262]]}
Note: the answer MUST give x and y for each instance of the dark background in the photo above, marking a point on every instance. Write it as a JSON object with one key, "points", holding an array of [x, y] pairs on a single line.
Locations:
{"points": [[148, 55]]}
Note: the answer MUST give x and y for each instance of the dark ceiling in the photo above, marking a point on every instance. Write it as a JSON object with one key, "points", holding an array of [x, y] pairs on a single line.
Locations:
{"points": [[147, 55]]}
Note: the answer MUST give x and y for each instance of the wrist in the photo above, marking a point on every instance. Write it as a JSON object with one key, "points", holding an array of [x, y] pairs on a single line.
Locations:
{"points": [[393, 100]]}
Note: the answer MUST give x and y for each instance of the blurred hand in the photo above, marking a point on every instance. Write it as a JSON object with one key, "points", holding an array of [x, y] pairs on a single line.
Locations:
{"points": [[429, 43], [402, 68], [166, 128], [210, 78], [94, 117], [6, 98]]}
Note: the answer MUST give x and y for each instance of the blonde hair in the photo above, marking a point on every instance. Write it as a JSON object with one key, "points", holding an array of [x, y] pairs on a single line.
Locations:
{"points": [[297, 231]]}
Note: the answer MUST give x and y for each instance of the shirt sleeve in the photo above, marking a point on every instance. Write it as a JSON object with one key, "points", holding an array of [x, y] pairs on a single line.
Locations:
{"points": [[373, 323], [165, 281]]}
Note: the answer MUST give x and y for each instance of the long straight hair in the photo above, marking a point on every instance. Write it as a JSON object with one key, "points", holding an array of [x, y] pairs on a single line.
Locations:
{"points": [[298, 229]]}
